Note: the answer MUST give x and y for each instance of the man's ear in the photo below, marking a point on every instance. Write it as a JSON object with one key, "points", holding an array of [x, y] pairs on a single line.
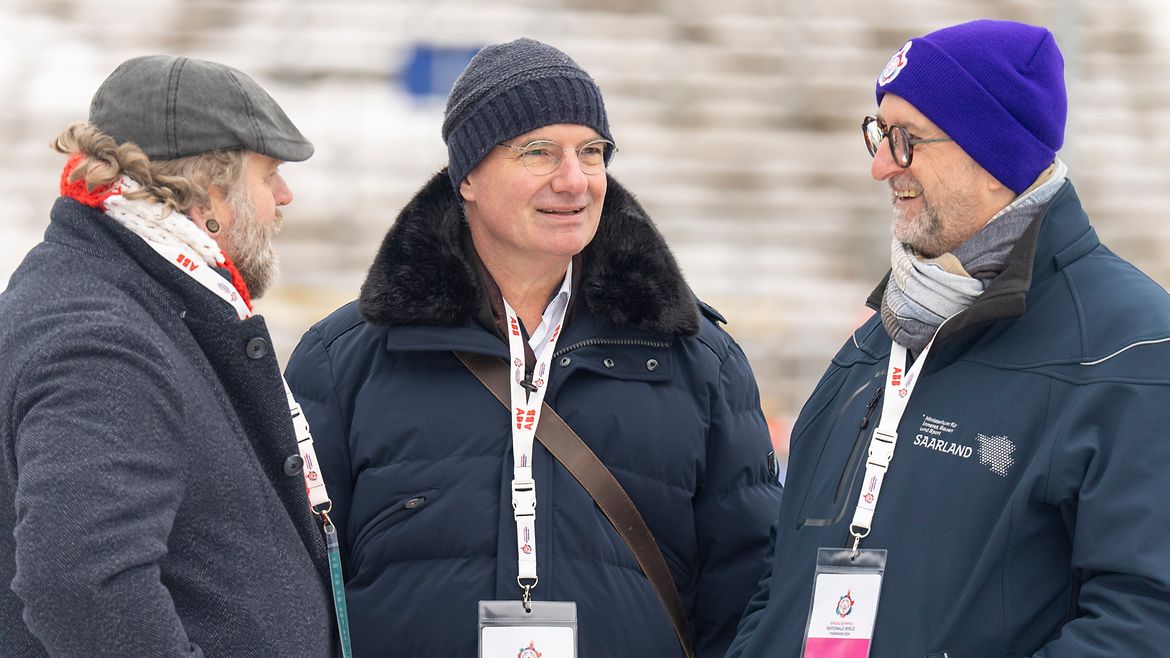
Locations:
{"points": [[213, 217], [993, 184], [998, 191], [204, 220]]}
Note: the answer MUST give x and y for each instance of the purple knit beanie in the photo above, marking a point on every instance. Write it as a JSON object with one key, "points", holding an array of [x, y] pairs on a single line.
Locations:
{"points": [[995, 87]]}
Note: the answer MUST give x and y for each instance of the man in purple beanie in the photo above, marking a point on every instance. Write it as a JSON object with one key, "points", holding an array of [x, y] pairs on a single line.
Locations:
{"points": [[1022, 372]]}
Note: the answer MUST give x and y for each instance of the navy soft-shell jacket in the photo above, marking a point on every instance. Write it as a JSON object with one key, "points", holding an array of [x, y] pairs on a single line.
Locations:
{"points": [[1024, 510], [417, 453]]}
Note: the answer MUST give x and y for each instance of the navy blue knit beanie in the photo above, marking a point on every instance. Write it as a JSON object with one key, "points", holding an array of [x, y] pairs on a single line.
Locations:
{"points": [[995, 87], [509, 89]]}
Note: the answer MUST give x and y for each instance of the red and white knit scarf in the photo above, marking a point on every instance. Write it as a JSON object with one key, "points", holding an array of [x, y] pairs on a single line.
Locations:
{"points": [[152, 221]]}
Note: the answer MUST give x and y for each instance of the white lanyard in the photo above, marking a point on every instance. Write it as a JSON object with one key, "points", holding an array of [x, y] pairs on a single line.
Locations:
{"points": [[527, 398], [207, 277], [900, 383], [319, 502]]}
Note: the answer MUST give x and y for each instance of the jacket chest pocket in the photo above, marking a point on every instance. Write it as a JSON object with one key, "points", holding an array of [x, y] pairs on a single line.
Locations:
{"points": [[833, 447]]}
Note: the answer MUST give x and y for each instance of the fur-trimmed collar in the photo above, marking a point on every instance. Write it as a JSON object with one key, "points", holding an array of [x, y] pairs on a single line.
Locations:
{"points": [[421, 274]]}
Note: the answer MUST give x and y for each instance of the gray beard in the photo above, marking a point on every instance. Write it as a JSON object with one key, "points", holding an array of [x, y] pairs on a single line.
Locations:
{"points": [[927, 235], [249, 244], [911, 312]]}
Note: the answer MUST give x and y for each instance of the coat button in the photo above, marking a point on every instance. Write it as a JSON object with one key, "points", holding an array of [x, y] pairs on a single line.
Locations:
{"points": [[257, 348], [565, 362], [608, 363], [415, 502], [293, 465], [652, 365]]}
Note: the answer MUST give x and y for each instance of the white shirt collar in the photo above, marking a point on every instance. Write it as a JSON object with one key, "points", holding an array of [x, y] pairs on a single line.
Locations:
{"points": [[541, 333]]}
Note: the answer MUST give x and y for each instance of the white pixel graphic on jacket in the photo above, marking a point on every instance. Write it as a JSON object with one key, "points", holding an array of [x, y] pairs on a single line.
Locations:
{"points": [[996, 452]]}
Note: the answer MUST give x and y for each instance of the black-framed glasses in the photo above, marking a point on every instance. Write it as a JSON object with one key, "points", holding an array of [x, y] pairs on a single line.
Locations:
{"points": [[901, 143], [542, 157]]}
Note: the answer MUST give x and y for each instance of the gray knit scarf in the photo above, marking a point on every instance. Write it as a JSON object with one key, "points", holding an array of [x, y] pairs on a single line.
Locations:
{"points": [[923, 292]]}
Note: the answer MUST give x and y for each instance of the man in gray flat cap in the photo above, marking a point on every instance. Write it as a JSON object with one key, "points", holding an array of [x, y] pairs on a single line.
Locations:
{"points": [[525, 259], [152, 498]]}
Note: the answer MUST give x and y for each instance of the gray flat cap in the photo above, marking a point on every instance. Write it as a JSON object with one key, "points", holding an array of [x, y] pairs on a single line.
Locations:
{"points": [[173, 107]]}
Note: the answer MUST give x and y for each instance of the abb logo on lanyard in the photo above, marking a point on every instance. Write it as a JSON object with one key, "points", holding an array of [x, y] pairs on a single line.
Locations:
{"points": [[525, 418], [186, 262]]}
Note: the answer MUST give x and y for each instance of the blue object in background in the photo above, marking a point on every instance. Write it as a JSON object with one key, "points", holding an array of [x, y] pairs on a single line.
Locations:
{"points": [[431, 70]]}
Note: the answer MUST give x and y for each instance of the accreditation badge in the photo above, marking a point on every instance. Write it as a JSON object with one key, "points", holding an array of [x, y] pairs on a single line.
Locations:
{"points": [[846, 588], [547, 630]]}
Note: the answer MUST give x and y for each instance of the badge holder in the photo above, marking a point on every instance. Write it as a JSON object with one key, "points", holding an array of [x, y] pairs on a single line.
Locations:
{"points": [[508, 630], [841, 615]]}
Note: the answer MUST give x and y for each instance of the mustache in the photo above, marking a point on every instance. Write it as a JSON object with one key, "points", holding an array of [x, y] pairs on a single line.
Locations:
{"points": [[905, 182]]}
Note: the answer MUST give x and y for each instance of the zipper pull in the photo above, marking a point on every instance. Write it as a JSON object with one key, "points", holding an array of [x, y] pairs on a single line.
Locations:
{"points": [[877, 395]]}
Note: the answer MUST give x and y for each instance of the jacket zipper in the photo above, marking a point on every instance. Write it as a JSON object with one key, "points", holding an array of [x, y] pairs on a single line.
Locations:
{"points": [[845, 482], [592, 342], [859, 444]]}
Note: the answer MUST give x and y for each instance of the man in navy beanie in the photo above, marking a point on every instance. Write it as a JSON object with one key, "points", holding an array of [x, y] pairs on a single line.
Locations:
{"points": [[524, 254], [981, 470]]}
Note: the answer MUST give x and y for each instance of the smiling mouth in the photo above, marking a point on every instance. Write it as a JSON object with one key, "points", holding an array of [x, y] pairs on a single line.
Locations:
{"points": [[904, 196], [566, 212]]}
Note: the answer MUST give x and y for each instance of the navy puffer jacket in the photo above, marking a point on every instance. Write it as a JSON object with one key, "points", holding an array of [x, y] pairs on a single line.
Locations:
{"points": [[417, 453]]}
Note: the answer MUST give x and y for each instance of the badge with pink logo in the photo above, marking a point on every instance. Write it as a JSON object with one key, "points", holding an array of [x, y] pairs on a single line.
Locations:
{"points": [[844, 604], [547, 629]]}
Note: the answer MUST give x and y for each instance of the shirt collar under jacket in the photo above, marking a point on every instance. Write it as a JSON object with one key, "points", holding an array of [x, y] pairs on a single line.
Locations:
{"points": [[551, 312]]}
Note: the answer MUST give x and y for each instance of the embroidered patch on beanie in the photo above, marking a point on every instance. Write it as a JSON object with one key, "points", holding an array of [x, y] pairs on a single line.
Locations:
{"points": [[895, 65]]}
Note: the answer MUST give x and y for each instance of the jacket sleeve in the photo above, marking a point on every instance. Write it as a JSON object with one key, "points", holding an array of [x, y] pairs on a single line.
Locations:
{"points": [[755, 607], [310, 376], [1108, 479], [736, 507], [99, 479]]}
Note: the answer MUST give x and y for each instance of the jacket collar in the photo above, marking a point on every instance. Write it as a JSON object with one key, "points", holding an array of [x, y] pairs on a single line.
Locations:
{"points": [[423, 275], [1059, 236], [91, 231]]}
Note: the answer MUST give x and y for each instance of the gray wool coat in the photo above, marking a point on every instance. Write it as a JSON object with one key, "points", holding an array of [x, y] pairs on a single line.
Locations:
{"points": [[145, 507]]}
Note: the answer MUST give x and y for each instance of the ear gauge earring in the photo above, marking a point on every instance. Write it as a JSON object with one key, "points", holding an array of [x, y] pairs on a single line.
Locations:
{"points": [[212, 225]]}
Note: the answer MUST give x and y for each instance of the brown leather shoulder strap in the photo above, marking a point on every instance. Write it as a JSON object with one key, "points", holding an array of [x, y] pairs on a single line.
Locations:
{"points": [[568, 448]]}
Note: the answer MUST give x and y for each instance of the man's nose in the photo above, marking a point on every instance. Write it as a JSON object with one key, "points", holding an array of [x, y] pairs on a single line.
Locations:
{"points": [[568, 176], [883, 165]]}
